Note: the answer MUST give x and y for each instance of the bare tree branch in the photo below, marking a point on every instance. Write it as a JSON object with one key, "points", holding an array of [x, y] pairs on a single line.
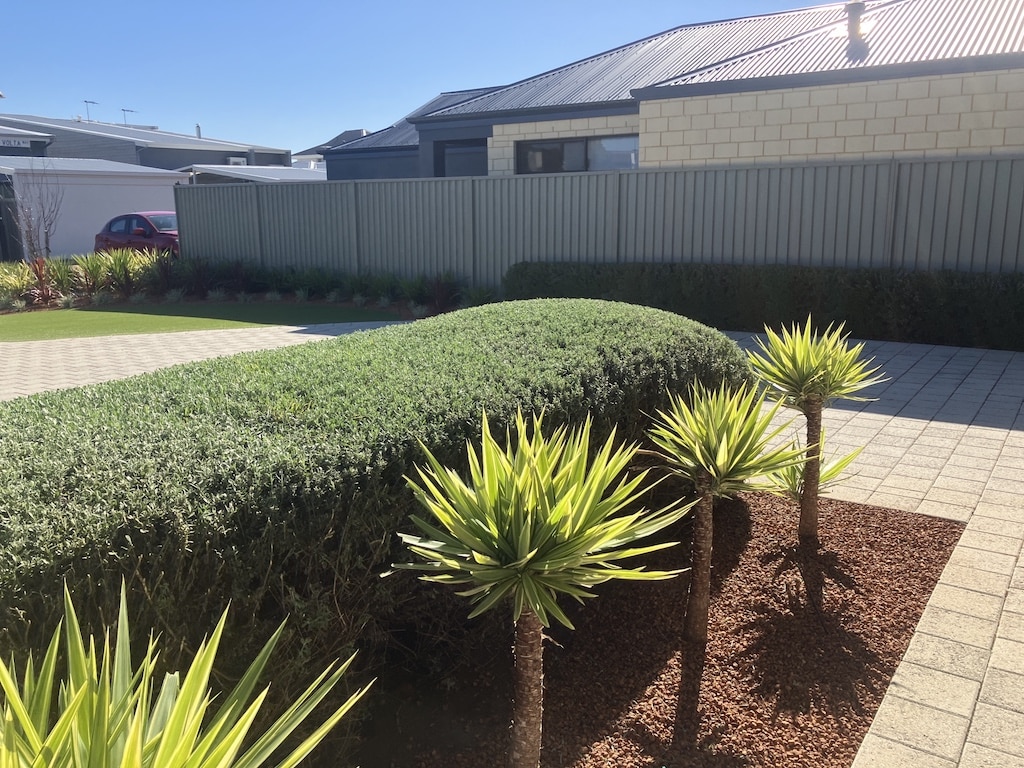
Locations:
{"points": [[40, 196]]}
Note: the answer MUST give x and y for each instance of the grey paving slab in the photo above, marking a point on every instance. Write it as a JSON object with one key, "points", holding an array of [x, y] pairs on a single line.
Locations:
{"points": [[977, 756], [922, 727], [998, 729], [940, 690], [1003, 689]]}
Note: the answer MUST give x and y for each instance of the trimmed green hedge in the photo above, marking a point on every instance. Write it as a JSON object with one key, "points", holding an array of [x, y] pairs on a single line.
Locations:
{"points": [[955, 308], [274, 479]]}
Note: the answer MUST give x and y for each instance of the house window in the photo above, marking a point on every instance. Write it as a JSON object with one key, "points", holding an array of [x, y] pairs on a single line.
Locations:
{"points": [[606, 153]]}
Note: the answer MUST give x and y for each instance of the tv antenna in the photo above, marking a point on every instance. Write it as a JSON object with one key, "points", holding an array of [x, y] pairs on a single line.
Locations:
{"points": [[87, 103], [124, 114]]}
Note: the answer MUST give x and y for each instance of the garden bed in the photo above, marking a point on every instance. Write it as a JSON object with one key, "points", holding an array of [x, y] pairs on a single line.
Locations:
{"points": [[785, 684]]}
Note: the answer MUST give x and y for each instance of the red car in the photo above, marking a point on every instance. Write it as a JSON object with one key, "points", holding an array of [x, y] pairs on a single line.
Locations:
{"points": [[146, 230]]}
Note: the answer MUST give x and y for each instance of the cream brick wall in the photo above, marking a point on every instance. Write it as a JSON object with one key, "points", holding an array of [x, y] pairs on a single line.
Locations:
{"points": [[942, 116], [501, 157]]}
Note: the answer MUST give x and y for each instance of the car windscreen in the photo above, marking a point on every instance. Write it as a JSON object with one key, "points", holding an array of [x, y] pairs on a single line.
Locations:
{"points": [[165, 222]]}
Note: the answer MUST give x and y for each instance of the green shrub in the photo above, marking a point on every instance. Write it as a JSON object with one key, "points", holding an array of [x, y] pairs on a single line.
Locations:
{"points": [[15, 278], [952, 308], [275, 479]]}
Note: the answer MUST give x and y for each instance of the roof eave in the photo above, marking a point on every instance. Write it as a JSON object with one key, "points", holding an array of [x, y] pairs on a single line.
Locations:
{"points": [[556, 111], [344, 149], [834, 77]]}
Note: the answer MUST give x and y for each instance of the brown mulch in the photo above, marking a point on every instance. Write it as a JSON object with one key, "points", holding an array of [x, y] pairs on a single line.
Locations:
{"points": [[786, 683]]}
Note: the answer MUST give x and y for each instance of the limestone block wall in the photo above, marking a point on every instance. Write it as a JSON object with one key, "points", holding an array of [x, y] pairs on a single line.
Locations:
{"points": [[501, 155], [942, 116]]}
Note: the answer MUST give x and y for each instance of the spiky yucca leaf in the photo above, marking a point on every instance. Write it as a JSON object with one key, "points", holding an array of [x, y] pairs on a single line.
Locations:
{"points": [[727, 435], [537, 519], [801, 367], [106, 716], [790, 480]]}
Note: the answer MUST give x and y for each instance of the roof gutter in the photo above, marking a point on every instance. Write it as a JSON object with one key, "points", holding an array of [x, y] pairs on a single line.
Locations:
{"points": [[554, 112]]}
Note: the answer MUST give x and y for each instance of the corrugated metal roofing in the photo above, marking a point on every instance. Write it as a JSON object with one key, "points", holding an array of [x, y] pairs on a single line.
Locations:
{"points": [[403, 133], [262, 172], [79, 165], [610, 76], [20, 132], [898, 32], [141, 136]]}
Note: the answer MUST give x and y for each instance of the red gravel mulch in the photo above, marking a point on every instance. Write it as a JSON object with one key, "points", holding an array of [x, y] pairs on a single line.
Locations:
{"points": [[785, 684]]}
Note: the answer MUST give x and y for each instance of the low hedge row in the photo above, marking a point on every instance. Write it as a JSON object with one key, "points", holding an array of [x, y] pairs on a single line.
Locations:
{"points": [[275, 479], [953, 308]]}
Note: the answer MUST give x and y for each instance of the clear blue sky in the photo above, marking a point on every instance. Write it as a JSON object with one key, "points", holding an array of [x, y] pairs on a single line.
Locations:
{"points": [[293, 74]]}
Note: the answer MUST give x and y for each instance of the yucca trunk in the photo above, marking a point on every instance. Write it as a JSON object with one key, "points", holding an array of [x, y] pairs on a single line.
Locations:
{"points": [[808, 530], [528, 693], [698, 606]]}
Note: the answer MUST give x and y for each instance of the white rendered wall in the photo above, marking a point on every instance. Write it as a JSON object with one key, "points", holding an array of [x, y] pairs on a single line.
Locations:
{"points": [[91, 199]]}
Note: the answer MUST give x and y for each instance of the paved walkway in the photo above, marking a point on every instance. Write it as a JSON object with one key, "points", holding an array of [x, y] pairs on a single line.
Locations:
{"points": [[27, 367], [945, 437]]}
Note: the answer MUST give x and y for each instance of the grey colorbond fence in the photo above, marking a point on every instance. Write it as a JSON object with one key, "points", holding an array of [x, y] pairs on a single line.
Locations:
{"points": [[962, 214]]}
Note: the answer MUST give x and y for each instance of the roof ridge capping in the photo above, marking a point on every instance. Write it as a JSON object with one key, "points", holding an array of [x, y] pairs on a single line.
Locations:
{"points": [[633, 44], [872, 7]]}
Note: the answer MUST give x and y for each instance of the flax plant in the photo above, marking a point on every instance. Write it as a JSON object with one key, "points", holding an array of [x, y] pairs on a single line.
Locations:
{"points": [[807, 371], [108, 713], [538, 519], [719, 441]]}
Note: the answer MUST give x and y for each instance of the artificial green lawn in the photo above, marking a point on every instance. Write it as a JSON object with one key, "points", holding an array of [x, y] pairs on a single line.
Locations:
{"points": [[121, 319]]}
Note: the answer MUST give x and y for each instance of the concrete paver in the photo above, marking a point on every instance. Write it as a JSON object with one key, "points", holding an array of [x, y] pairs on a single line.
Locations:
{"points": [[944, 436]]}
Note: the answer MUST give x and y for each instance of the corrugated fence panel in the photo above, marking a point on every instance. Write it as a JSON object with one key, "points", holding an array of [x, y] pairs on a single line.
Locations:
{"points": [[218, 222], [819, 215], [416, 227], [960, 214], [309, 225], [571, 217]]}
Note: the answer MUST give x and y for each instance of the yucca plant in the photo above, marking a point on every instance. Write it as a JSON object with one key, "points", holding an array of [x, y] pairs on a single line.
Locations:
{"points": [[108, 713], [790, 480], [721, 442], [538, 519], [806, 370]]}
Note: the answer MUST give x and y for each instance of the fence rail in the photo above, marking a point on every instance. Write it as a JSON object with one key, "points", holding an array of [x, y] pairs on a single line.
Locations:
{"points": [[959, 214]]}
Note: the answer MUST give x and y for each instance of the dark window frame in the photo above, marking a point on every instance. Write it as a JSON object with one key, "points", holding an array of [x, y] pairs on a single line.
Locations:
{"points": [[523, 148]]}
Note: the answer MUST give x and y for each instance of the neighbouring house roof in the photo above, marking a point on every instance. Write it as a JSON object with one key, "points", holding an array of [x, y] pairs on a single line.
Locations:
{"points": [[141, 136], [895, 34], [610, 76], [342, 138], [806, 42], [23, 134], [260, 172], [79, 165], [403, 133]]}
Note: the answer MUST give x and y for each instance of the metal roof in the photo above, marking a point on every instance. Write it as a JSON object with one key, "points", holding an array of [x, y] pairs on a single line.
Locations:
{"points": [[21, 133], [261, 172], [79, 165], [141, 136], [897, 32], [610, 76], [403, 133]]}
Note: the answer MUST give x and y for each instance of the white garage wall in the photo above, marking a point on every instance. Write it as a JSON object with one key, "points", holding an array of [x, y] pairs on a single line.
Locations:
{"points": [[90, 199]]}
